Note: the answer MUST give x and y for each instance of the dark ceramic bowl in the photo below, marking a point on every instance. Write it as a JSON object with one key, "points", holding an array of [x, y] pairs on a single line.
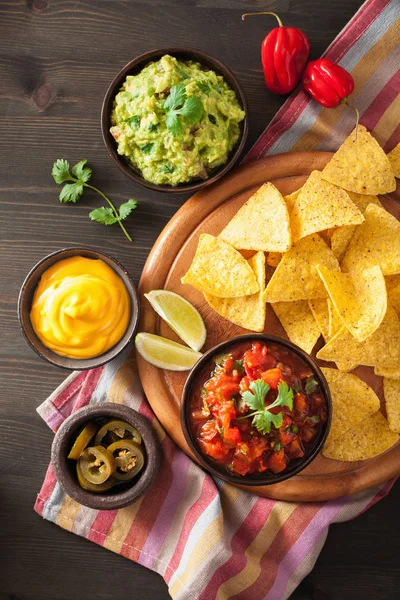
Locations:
{"points": [[134, 67], [64, 468], [201, 371], [25, 302]]}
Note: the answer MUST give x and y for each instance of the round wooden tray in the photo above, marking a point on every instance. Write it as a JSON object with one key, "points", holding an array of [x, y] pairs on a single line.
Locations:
{"points": [[208, 212]]}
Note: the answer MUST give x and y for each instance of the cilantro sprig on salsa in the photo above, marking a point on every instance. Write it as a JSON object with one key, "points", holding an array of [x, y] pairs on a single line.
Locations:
{"points": [[263, 418]]}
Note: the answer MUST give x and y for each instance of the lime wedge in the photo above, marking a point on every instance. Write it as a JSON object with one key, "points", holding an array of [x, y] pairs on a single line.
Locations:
{"points": [[164, 353], [180, 315]]}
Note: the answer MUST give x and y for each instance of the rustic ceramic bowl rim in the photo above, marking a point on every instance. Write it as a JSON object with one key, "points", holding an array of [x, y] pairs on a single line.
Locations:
{"points": [[191, 380], [143, 59], [62, 443], [56, 359]]}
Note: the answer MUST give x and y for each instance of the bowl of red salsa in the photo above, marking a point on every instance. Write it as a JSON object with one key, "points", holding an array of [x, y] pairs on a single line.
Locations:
{"points": [[255, 410]]}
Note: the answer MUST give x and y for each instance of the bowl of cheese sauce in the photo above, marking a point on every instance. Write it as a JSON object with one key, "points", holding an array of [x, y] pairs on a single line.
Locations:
{"points": [[78, 308]]}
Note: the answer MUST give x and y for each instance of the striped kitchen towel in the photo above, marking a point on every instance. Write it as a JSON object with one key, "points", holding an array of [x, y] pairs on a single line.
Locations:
{"points": [[208, 539]]}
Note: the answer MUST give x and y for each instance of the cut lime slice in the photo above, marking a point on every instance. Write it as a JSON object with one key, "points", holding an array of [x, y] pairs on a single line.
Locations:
{"points": [[164, 353], [180, 315]]}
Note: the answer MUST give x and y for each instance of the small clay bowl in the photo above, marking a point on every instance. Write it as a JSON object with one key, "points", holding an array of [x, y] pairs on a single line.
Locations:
{"points": [[201, 371], [25, 302], [134, 67], [64, 468]]}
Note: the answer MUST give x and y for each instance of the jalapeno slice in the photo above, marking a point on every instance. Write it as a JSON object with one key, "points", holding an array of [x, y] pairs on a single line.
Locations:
{"points": [[129, 459], [121, 429], [82, 440], [97, 464], [93, 487]]}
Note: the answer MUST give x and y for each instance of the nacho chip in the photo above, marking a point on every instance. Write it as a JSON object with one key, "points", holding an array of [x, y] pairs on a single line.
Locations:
{"points": [[248, 311], [360, 165], [392, 281], [344, 366], [291, 199], [394, 299], [297, 320], [296, 276], [352, 402], [320, 206], [334, 321], [391, 390], [369, 438], [375, 242], [394, 159], [220, 270], [388, 372], [363, 200], [261, 224], [382, 348], [359, 298], [319, 309], [274, 258]]}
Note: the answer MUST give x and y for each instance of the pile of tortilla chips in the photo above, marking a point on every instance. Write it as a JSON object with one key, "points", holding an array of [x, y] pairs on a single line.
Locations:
{"points": [[334, 253]]}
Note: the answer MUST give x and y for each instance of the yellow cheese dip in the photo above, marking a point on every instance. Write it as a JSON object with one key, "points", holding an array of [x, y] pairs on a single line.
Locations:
{"points": [[81, 308]]}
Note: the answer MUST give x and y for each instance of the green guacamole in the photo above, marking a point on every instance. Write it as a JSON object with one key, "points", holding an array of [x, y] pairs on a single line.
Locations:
{"points": [[167, 134]]}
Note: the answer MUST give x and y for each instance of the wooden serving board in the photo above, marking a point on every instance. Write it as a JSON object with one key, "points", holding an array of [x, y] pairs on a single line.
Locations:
{"points": [[209, 211]]}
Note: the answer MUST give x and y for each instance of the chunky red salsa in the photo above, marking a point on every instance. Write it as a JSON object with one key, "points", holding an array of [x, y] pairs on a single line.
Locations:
{"points": [[261, 408]]}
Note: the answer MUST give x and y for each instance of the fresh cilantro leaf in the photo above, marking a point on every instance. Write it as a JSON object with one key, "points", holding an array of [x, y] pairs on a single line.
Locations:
{"points": [[212, 119], [60, 171], [277, 447], [71, 192], [173, 124], [204, 87], [314, 418], [255, 399], [238, 366], [127, 207], [152, 127], [103, 215], [134, 121], [192, 110], [311, 385], [294, 428], [81, 172], [176, 98], [203, 392], [285, 395], [147, 148], [265, 419], [297, 387], [181, 72], [167, 168]]}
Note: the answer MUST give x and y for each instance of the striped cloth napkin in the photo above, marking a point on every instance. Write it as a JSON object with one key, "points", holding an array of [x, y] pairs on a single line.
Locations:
{"points": [[208, 539]]}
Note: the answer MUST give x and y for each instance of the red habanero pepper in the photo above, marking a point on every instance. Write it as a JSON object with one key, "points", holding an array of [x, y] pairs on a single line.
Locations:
{"points": [[284, 53], [328, 83]]}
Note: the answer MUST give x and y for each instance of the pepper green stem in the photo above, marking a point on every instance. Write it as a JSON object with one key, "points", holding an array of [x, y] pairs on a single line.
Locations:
{"points": [[263, 12], [116, 214]]}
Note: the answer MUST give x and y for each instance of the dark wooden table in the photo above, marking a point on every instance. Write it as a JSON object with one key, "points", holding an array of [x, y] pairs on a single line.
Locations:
{"points": [[57, 58]]}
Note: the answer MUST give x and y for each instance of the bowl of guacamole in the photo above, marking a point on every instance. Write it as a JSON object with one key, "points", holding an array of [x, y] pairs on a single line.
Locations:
{"points": [[175, 119]]}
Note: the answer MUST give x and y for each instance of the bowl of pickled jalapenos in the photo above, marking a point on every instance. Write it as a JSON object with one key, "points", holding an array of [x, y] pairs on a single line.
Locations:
{"points": [[105, 455]]}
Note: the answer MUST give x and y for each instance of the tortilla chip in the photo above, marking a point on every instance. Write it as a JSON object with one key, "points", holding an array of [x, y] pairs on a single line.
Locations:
{"points": [[298, 322], [359, 298], [394, 299], [369, 438], [352, 402], [360, 165], [391, 390], [392, 281], [334, 321], [320, 206], [375, 242], [274, 258], [296, 276], [220, 270], [363, 200], [394, 159], [388, 372], [382, 348], [261, 224], [340, 240], [344, 366], [248, 311], [319, 309], [291, 199]]}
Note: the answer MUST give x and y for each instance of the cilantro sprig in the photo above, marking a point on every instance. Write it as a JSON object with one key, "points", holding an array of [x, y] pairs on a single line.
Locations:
{"points": [[73, 190], [178, 104], [263, 418]]}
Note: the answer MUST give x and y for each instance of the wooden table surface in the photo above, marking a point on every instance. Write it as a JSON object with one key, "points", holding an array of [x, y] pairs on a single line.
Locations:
{"points": [[57, 59]]}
